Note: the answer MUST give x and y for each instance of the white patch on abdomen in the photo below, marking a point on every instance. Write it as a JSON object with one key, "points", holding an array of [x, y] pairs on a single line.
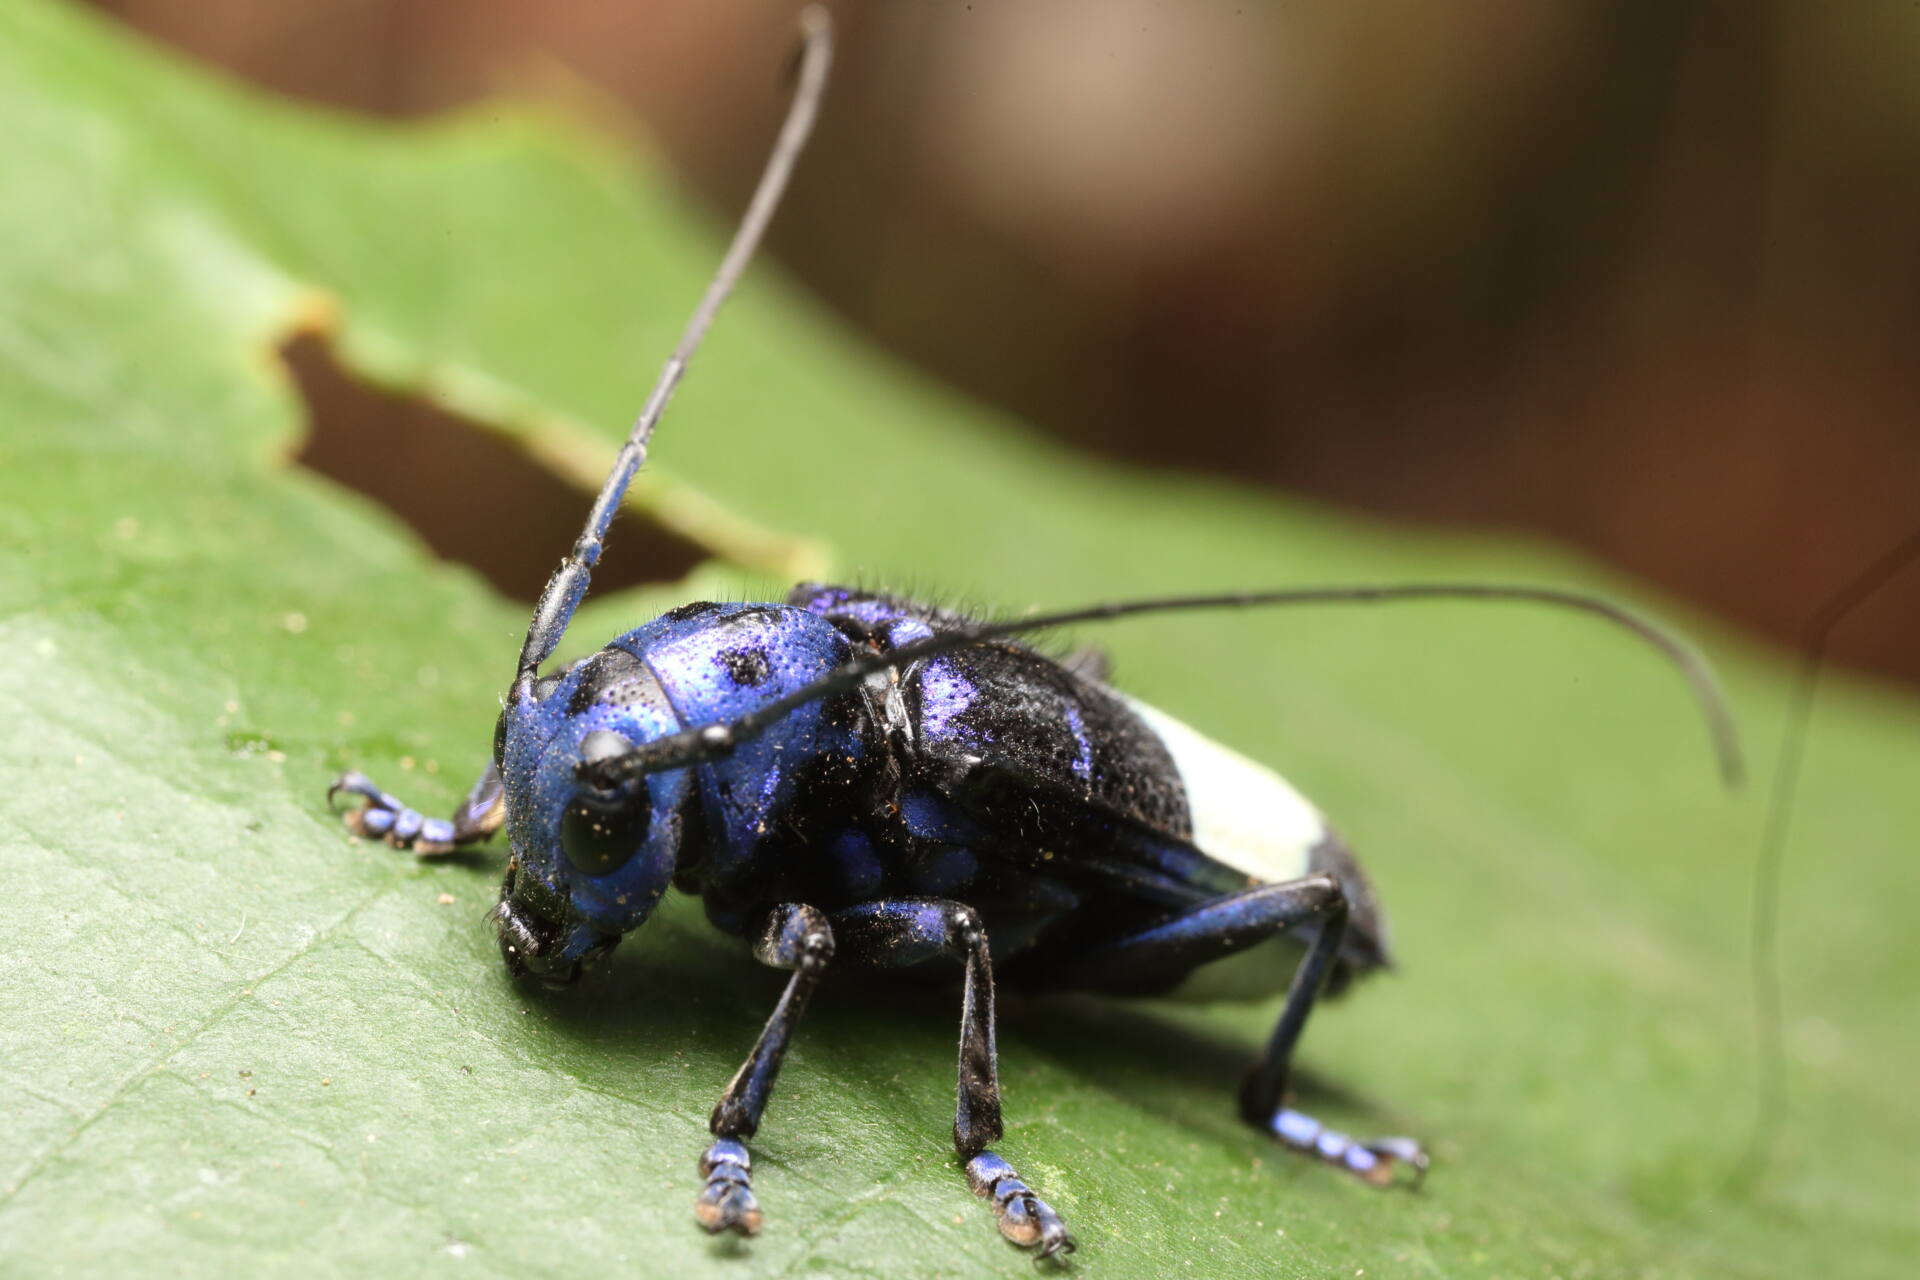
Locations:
{"points": [[1244, 814]]}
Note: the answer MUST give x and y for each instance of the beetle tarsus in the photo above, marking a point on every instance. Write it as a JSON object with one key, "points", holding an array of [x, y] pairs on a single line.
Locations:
{"points": [[385, 817], [727, 1202], [1024, 1217], [1377, 1162]]}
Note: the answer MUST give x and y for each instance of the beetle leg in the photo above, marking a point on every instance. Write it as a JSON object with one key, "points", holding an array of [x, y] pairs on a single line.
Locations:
{"points": [[384, 817], [1264, 1093], [1375, 1160], [1221, 927], [795, 937], [905, 931]]}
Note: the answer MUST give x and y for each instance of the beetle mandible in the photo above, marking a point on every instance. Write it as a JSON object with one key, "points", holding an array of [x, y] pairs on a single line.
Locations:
{"points": [[851, 778]]}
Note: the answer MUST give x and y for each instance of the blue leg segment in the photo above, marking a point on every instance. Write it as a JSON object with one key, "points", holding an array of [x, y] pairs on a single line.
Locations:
{"points": [[1024, 1217], [795, 937], [1156, 958], [385, 817], [1375, 1160], [726, 1200], [1219, 928], [907, 931]]}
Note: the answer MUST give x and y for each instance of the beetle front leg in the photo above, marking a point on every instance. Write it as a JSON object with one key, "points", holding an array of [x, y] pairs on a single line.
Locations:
{"points": [[795, 937], [384, 817], [908, 931]]}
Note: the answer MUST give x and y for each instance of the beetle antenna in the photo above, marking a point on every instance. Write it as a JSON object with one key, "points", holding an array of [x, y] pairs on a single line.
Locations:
{"points": [[707, 742], [1770, 1104], [568, 584]]}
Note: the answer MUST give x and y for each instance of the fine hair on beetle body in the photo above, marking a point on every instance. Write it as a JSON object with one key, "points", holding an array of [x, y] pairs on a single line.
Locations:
{"points": [[854, 779]]}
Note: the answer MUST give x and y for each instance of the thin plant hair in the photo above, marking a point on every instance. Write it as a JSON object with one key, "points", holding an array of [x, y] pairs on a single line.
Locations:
{"points": [[1770, 1050]]}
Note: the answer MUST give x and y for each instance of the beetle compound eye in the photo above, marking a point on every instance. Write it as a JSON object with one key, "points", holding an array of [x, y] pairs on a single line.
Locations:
{"points": [[602, 830], [500, 740], [601, 833]]}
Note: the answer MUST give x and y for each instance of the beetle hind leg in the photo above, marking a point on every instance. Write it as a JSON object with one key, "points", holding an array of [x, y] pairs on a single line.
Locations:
{"points": [[1213, 930], [1263, 1097]]}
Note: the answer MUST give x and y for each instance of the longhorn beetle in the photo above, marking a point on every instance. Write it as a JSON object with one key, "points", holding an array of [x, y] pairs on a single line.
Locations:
{"points": [[851, 778]]}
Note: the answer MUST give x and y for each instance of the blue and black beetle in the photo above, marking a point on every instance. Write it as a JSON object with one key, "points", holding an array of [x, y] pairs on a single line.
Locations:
{"points": [[852, 778]]}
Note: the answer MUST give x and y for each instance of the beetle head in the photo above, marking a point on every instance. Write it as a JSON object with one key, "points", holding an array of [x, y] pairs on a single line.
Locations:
{"points": [[591, 859]]}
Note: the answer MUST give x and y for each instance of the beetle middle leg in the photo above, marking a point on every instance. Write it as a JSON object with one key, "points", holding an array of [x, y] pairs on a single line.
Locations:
{"points": [[795, 937], [1227, 925], [385, 817], [899, 932]]}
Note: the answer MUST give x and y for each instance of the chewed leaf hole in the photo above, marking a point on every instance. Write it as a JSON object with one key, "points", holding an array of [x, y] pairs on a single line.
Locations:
{"points": [[470, 494]]}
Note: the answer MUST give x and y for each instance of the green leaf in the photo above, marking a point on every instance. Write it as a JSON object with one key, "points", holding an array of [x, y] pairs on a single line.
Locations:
{"points": [[236, 1041]]}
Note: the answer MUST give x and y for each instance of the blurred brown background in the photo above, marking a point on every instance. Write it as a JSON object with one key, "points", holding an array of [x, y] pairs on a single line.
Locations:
{"points": [[1643, 274]]}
